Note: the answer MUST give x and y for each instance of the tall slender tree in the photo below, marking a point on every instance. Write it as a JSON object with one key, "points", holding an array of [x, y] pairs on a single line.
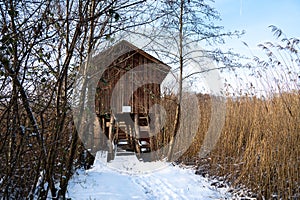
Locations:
{"points": [[186, 25]]}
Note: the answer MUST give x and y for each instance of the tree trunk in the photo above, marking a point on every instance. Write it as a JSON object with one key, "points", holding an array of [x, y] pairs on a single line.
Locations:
{"points": [[175, 130], [177, 115]]}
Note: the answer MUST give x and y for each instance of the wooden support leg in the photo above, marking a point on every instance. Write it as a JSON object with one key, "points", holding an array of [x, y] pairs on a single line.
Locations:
{"points": [[158, 138], [103, 137], [127, 133], [130, 136], [137, 133], [117, 133], [110, 139]]}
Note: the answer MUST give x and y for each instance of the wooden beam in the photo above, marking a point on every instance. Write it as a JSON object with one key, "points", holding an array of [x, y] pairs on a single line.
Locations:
{"points": [[137, 132], [110, 138]]}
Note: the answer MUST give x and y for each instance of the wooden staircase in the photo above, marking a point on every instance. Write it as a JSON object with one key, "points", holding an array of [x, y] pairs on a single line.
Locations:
{"points": [[132, 137], [124, 139], [144, 137]]}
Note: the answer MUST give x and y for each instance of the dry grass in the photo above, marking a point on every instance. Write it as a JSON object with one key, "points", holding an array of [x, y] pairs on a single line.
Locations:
{"points": [[259, 145]]}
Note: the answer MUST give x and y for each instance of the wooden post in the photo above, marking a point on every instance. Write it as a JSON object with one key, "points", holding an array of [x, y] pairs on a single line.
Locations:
{"points": [[97, 135], [103, 136], [137, 133], [110, 155], [130, 136], [117, 132]]}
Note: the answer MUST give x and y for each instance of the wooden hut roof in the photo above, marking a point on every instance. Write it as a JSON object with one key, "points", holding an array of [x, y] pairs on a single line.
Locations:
{"points": [[140, 51], [114, 52]]}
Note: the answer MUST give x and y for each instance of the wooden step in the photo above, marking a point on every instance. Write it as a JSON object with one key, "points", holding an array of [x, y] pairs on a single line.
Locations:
{"points": [[144, 146], [143, 117], [125, 147], [144, 128], [122, 123], [122, 142], [145, 149], [125, 153], [122, 136], [144, 143]]}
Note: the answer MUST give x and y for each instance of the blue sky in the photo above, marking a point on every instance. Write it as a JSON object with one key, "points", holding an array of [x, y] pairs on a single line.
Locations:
{"points": [[254, 16]]}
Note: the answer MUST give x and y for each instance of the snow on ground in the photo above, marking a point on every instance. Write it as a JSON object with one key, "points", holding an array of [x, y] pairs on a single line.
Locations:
{"points": [[127, 178]]}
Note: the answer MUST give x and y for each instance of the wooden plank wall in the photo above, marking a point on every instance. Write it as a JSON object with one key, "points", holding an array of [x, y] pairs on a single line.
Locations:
{"points": [[141, 100]]}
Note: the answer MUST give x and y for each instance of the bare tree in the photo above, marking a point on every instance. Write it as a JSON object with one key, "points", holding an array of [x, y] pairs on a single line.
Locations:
{"points": [[42, 45], [186, 24]]}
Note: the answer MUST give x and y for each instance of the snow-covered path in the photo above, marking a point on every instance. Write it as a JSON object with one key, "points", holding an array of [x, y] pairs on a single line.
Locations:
{"points": [[169, 182]]}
